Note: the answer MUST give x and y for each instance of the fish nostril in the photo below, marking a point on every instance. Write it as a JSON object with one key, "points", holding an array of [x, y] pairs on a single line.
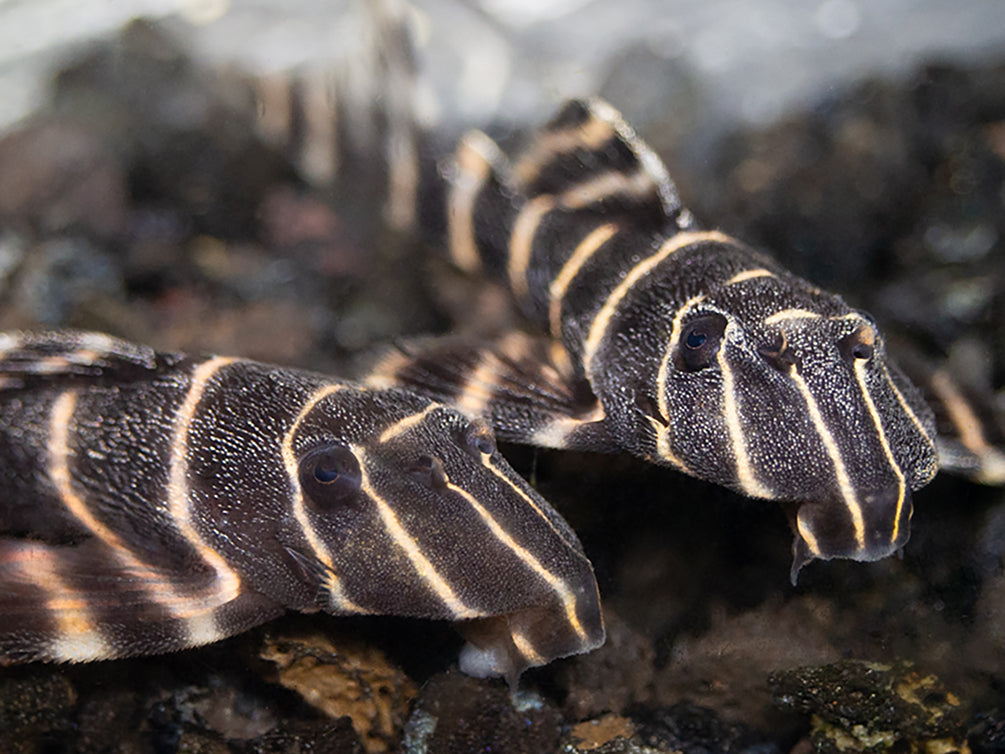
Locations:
{"points": [[862, 351], [859, 345], [429, 472], [778, 354]]}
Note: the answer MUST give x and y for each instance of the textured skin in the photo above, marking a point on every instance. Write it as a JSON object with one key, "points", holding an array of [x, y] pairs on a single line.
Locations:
{"points": [[155, 502], [675, 343]]}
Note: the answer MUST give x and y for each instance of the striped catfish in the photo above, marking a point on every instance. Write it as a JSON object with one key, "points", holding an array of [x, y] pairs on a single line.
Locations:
{"points": [[154, 502], [679, 344]]}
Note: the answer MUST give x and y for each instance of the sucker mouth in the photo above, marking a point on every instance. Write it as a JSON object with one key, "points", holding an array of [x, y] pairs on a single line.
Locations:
{"points": [[824, 530]]}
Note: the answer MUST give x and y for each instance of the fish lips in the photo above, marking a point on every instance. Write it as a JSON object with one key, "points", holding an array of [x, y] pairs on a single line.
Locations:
{"points": [[873, 527]]}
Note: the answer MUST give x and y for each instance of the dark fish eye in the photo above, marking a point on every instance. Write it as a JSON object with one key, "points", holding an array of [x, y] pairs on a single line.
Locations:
{"points": [[695, 339], [701, 337], [480, 440], [329, 476], [429, 471]]}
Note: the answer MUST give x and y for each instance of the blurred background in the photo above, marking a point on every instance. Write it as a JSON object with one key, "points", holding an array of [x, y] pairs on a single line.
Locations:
{"points": [[753, 60]]}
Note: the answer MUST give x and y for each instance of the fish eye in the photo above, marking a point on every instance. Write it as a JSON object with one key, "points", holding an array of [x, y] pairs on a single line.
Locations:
{"points": [[329, 476], [700, 339], [429, 472], [859, 345], [480, 440]]}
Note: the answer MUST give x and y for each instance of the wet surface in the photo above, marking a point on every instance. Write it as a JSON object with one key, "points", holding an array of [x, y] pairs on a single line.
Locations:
{"points": [[176, 225]]}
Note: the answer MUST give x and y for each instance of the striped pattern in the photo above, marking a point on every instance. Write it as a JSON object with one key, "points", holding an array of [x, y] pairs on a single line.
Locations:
{"points": [[159, 502], [675, 343]]}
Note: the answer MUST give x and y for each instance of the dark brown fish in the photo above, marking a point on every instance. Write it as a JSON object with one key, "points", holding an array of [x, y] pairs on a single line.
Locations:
{"points": [[154, 502]]}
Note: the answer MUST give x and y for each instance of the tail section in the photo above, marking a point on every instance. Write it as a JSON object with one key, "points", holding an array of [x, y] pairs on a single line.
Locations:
{"points": [[585, 169]]}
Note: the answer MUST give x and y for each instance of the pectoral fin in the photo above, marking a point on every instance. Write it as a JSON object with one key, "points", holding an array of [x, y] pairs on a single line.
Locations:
{"points": [[511, 382], [88, 601]]}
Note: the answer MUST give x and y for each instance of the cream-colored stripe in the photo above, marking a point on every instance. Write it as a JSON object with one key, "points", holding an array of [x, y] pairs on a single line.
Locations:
{"points": [[590, 134], [526, 648], [742, 277], [339, 599], [401, 426], [425, 570], [521, 242], [560, 587], [663, 375], [584, 250], [195, 611], [78, 638], [384, 373], [228, 583], [663, 449], [964, 420], [605, 185], [745, 475], [555, 433], [834, 453], [789, 314], [906, 408], [487, 463], [884, 441], [598, 328], [473, 164], [968, 426], [808, 537], [478, 389]]}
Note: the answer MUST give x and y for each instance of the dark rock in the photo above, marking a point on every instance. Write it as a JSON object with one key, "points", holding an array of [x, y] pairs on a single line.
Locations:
{"points": [[34, 710], [872, 706], [692, 729], [458, 714]]}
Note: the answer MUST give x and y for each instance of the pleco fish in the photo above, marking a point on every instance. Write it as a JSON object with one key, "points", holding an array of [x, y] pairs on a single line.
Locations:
{"points": [[154, 502], [678, 344]]}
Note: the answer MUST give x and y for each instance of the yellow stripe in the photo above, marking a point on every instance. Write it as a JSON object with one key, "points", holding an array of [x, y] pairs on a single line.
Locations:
{"points": [[79, 639], [742, 277], [555, 433], [874, 414], [338, 597], [589, 135], [194, 611], [384, 374], [807, 536], [580, 255], [789, 314], [841, 473], [906, 408], [605, 185], [423, 568], [527, 650], [968, 426], [559, 586], [228, 583], [473, 168], [731, 414], [663, 449], [487, 463], [59, 472], [601, 322], [663, 375], [477, 391], [521, 242], [401, 426]]}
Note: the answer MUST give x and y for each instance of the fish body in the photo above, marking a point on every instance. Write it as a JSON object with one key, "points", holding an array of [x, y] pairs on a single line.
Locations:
{"points": [[678, 344], [155, 502]]}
